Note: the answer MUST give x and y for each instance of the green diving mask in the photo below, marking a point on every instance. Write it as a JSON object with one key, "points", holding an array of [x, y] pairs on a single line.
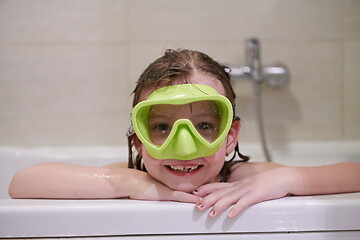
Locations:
{"points": [[183, 122]]}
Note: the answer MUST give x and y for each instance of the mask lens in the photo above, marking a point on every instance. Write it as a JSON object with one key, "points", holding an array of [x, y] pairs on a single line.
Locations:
{"points": [[205, 117]]}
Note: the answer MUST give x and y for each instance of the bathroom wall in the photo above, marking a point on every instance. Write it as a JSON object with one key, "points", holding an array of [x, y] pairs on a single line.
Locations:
{"points": [[67, 68]]}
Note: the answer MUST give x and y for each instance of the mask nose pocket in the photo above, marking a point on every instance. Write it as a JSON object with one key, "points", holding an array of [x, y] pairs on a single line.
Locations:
{"points": [[184, 144]]}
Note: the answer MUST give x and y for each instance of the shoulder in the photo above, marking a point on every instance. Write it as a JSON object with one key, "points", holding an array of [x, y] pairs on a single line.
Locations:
{"points": [[246, 169]]}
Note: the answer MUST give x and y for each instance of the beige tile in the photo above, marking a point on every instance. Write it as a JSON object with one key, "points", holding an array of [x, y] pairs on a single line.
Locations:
{"points": [[235, 19], [315, 66], [351, 90], [58, 21], [63, 95], [288, 119], [351, 19], [67, 67], [310, 107]]}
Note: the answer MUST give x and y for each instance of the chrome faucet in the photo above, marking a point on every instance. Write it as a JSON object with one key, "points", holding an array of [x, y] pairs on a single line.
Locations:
{"points": [[274, 76], [252, 58]]}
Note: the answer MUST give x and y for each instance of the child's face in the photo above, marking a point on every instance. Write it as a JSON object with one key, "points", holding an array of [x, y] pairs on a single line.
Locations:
{"points": [[187, 175]]}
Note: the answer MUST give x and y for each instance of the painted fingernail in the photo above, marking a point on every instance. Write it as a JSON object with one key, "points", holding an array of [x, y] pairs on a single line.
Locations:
{"points": [[199, 205], [212, 213], [195, 192]]}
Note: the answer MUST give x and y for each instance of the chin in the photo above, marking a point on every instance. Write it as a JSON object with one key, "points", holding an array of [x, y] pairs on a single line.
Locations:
{"points": [[184, 187]]}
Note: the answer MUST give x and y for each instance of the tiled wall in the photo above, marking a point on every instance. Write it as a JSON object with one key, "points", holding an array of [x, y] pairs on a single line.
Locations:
{"points": [[67, 67]]}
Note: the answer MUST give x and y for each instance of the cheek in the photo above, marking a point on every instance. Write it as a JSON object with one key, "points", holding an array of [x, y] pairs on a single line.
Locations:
{"points": [[217, 160], [221, 153], [148, 160], [152, 165]]}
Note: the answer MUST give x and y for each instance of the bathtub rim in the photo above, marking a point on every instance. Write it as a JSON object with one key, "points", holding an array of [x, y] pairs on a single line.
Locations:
{"points": [[21, 218]]}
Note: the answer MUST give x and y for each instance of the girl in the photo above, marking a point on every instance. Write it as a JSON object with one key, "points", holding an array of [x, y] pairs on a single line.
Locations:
{"points": [[183, 127]]}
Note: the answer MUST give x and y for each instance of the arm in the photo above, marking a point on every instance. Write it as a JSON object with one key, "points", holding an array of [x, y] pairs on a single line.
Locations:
{"points": [[277, 182], [336, 178], [66, 181], [57, 180]]}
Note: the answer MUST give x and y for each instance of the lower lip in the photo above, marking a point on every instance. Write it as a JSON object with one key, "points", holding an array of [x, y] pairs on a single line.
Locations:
{"points": [[183, 174]]}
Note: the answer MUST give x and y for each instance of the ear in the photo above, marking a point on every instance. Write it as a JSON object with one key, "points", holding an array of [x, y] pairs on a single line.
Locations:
{"points": [[137, 144], [232, 138]]}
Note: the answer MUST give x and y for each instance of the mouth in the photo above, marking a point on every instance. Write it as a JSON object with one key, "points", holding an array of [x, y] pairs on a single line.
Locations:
{"points": [[185, 170]]}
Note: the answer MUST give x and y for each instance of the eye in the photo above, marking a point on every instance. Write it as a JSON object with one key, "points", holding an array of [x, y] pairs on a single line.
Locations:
{"points": [[204, 126], [159, 132], [162, 127], [208, 130]]}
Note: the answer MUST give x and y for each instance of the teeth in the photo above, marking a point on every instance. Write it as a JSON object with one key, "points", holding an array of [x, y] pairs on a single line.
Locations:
{"points": [[184, 168]]}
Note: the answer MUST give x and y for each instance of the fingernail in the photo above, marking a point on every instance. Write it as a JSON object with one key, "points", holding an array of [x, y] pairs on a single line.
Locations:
{"points": [[231, 214], [212, 213], [199, 205], [195, 192]]}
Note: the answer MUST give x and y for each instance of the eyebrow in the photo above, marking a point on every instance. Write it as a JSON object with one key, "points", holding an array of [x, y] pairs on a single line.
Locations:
{"points": [[198, 115]]}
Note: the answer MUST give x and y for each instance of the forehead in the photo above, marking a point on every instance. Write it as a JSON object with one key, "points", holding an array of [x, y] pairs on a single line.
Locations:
{"points": [[195, 78], [199, 107]]}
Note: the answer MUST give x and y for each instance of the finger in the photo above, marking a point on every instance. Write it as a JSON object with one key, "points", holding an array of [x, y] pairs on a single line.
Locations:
{"points": [[213, 197], [179, 196], [226, 201], [246, 201], [209, 188]]}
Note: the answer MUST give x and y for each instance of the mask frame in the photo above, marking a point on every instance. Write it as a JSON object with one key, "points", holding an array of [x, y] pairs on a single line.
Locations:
{"points": [[184, 142]]}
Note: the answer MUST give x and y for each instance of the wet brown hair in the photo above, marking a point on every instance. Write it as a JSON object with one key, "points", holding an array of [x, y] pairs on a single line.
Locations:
{"points": [[180, 64]]}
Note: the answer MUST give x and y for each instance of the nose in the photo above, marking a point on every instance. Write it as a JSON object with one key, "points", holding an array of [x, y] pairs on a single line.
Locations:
{"points": [[184, 142]]}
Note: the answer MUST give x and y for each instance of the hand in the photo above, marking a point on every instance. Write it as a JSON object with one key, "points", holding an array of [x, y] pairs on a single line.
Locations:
{"points": [[148, 188], [269, 185]]}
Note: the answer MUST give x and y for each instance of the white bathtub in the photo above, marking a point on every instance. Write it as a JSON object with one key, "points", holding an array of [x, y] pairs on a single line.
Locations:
{"points": [[316, 217]]}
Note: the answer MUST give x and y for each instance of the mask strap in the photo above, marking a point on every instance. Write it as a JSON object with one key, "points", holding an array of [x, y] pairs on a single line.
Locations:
{"points": [[235, 116], [130, 131]]}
